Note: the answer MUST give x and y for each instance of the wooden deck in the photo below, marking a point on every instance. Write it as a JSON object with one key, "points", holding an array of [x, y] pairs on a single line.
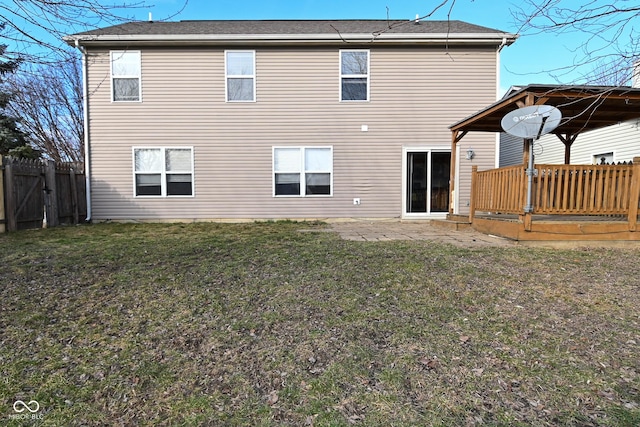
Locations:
{"points": [[569, 231], [570, 204], [565, 190]]}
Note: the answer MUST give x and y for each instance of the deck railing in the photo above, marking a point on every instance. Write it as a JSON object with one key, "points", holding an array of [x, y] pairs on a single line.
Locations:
{"points": [[559, 190], [582, 189], [499, 190]]}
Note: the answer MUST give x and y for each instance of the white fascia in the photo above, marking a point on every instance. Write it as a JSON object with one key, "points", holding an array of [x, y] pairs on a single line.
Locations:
{"points": [[436, 38]]}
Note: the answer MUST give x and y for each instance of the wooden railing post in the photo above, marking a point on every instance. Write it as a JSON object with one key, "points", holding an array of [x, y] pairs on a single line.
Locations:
{"points": [[634, 196], [472, 202]]}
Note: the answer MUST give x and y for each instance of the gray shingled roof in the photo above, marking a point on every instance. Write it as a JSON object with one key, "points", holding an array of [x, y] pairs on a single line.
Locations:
{"points": [[289, 27]]}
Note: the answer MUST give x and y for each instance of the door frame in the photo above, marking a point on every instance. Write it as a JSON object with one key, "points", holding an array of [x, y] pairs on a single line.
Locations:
{"points": [[420, 149]]}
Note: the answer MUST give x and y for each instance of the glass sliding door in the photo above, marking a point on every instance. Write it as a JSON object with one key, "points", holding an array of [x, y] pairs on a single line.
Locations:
{"points": [[417, 182], [427, 182], [440, 169]]}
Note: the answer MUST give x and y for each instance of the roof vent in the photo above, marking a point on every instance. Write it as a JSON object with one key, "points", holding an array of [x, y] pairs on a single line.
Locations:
{"points": [[417, 19], [150, 17]]}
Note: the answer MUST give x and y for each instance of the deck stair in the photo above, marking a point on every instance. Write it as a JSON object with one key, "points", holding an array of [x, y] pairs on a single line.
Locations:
{"points": [[453, 222]]}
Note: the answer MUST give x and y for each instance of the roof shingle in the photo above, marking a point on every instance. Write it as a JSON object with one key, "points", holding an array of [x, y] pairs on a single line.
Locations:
{"points": [[289, 27]]}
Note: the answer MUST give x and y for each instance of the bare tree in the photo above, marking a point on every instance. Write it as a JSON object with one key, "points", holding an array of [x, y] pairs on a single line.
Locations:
{"points": [[46, 94], [606, 74], [606, 42], [49, 99], [34, 28], [602, 34]]}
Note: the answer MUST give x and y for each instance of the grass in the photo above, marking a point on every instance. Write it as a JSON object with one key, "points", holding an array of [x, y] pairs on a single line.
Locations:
{"points": [[262, 325]]}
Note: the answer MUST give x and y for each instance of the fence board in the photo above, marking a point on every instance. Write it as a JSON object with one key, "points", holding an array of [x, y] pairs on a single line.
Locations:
{"points": [[26, 192]]}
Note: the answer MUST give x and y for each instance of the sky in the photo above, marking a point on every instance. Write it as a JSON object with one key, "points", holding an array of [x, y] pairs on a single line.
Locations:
{"points": [[531, 59]]}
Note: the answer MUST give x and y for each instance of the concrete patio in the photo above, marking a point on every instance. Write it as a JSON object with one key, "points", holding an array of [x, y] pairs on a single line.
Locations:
{"points": [[385, 230]]}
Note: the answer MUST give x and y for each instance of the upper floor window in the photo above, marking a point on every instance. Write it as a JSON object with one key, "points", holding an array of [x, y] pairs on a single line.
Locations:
{"points": [[241, 75], [163, 171], [125, 76], [302, 171], [354, 75]]}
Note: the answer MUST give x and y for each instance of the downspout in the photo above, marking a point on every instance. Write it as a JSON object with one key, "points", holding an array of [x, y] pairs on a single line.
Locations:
{"points": [[85, 106], [498, 96]]}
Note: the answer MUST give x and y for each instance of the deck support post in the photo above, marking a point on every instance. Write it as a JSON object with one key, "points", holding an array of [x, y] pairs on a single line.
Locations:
{"points": [[472, 203], [456, 136], [634, 196], [527, 220], [568, 141]]}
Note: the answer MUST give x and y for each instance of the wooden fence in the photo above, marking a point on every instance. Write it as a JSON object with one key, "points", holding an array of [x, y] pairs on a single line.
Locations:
{"points": [[38, 193]]}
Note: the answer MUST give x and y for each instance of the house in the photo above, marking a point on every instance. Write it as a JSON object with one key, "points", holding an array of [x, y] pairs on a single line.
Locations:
{"points": [[616, 143], [201, 120]]}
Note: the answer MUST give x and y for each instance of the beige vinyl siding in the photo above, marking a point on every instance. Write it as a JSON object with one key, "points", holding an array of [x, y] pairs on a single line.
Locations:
{"points": [[415, 95]]}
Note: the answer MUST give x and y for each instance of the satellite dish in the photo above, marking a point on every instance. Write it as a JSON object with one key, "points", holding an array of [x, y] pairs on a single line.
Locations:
{"points": [[531, 122]]}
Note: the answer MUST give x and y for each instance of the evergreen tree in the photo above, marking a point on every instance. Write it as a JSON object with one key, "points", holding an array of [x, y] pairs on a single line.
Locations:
{"points": [[11, 137]]}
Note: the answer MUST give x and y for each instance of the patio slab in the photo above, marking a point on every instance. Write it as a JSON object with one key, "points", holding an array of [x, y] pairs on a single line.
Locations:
{"points": [[378, 231]]}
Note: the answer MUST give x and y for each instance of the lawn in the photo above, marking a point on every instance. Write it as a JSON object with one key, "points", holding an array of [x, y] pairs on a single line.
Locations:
{"points": [[264, 325]]}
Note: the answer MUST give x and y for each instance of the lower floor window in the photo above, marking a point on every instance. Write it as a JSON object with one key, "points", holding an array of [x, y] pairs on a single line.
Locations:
{"points": [[163, 171], [302, 171]]}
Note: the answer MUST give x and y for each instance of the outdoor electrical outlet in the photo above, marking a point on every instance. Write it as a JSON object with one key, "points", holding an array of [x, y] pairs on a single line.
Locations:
{"points": [[356, 201]]}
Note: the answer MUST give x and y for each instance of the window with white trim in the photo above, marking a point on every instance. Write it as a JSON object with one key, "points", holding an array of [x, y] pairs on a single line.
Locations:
{"points": [[125, 76], [354, 75], [240, 71], [302, 171], [163, 171], [603, 159]]}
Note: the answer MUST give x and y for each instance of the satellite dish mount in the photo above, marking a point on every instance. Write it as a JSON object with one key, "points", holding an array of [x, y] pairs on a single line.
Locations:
{"points": [[531, 123]]}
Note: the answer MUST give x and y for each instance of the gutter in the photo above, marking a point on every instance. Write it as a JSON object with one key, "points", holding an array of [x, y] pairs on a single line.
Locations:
{"points": [[85, 105], [502, 39], [504, 43]]}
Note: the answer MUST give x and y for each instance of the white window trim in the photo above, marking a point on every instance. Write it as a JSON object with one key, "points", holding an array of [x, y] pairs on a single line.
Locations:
{"points": [[241, 76], [359, 76], [595, 156], [431, 149], [138, 76], [163, 173], [302, 172]]}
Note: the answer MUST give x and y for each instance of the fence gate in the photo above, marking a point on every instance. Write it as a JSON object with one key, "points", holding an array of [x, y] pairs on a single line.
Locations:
{"points": [[34, 189], [24, 193]]}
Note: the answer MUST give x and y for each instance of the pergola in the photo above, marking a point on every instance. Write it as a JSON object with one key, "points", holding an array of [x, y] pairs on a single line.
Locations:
{"points": [[583, 108]]}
